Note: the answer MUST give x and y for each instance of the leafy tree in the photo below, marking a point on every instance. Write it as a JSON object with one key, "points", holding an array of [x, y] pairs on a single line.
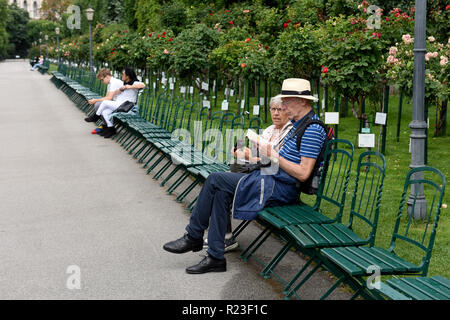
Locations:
{"points": [[147, 15], [173, 16], [53, 10], [3, 35], [297, 54], [114, 11], [352, 57], [129, 13], [17, 29], [191, 50]]}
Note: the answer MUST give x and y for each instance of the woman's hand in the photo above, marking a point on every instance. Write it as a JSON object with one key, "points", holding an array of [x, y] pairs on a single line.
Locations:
{"points": [[245, 153]]}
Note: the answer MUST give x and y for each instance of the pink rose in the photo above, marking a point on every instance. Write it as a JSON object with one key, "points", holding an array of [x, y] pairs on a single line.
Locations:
{"points": [[393, 51], [407, 39], [444, 61], [431, 39]]}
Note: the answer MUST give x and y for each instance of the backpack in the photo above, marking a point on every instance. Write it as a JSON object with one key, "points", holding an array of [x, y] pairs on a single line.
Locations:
{"points": [[311, 185]]}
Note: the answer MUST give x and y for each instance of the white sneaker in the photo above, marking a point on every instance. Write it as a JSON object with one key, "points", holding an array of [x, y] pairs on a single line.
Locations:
{"points": [[230, 244]]}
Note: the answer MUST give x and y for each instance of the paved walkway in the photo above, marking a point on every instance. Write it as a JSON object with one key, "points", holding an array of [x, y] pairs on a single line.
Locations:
{"points": [[69, 198]]}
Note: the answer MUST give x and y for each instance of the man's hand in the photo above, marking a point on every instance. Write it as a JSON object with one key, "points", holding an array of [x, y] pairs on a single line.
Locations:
{"points": [[92, 101]]}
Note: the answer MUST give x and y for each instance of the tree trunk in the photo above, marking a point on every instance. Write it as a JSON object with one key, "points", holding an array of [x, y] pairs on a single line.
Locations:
{"points": [[441, 124]]}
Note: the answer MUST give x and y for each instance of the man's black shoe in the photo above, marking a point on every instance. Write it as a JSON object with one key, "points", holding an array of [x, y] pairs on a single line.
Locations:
{"points": [[208, 264], [184, 244], [92, 118]]}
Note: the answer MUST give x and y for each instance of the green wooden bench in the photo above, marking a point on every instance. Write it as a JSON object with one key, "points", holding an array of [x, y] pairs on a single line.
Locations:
{"points": [[421, 288], [412, 241], [44, 68]]}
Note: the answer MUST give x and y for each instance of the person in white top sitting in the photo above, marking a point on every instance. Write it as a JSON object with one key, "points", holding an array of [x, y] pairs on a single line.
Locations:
{"points": [[128, 92], [105, 76], [40, 63]]}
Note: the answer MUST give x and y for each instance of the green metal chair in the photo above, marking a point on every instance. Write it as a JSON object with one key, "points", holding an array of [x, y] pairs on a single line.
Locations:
{"points": [[412, 241], [420, 288], [360, 230]]}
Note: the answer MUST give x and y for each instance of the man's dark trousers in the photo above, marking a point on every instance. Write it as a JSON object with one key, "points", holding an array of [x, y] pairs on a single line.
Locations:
{"points": [[212, 208]]}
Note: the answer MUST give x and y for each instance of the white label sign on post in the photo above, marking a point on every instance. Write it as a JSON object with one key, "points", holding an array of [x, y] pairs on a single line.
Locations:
{"points": [[207, 104], [182, 89], [261, 101], [205, 86], [366, 140], [225, 105], [242, 104], [256, 110], [331, 117], [191, 90], [380, 118]]}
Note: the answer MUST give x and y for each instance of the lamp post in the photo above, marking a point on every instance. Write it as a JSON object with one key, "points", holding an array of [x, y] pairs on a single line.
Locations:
{"points": [[40, 49], [90, 16], [46, 46], [57, 43], [418, 125]]}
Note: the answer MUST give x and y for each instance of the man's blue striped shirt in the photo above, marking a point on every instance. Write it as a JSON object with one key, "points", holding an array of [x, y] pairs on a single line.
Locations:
{"points": [[312, 142]]}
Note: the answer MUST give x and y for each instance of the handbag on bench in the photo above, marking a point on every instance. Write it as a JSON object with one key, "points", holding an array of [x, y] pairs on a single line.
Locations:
{"points": [[125, 107]]}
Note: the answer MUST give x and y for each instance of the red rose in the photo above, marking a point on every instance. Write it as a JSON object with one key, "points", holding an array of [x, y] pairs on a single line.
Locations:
{"points": [[387, 19], [397, 14], [231, 22], [324, 69], [242, 65], [113, 49], [170, 39], [150, 34], [379, 35], [447, 7], [247, 40], [285, 25], [164, 33], [289, 21]]}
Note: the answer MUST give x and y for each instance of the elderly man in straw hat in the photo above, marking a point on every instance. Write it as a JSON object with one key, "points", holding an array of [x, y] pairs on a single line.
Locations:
{"points": [[250, 193]]}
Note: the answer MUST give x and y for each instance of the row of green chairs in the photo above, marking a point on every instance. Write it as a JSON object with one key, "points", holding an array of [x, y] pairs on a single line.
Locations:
{"points": [[150, 134], [348, 250]]}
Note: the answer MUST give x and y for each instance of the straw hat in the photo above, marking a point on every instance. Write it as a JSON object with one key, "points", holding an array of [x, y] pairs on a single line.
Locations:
{"points": [[297, 88]]}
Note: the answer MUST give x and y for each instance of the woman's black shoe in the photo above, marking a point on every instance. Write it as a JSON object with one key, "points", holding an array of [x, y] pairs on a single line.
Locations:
{"points": [[184, 244], [109, 132], [208, 264], [92, 118]]}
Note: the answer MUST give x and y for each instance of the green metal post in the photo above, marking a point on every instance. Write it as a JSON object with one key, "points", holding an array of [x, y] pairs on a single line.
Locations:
{"points": [[386, 110], [399, 116]]}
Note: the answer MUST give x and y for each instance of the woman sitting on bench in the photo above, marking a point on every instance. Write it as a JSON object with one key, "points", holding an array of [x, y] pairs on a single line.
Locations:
{"points": [[128, 92]]}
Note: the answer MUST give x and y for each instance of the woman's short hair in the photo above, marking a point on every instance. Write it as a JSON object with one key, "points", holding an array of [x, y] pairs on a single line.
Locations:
{"points": [[103, 73], [275, 101]]}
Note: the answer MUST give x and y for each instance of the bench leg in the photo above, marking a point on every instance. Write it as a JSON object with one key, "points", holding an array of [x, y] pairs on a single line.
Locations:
{"points": [[275, 260], [244, 256]]}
